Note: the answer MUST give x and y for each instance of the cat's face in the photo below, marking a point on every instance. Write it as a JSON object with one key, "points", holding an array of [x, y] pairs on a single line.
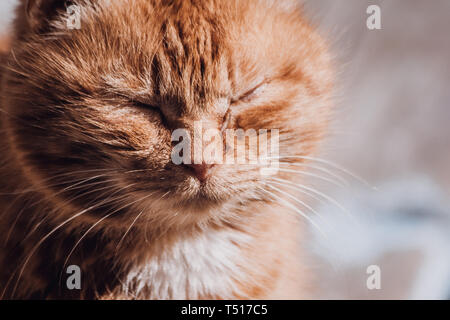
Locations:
{"points": [[93, 110]]}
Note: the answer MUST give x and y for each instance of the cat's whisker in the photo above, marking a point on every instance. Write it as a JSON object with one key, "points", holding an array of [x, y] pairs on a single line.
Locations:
{"points": [[146, 231], [294, 208], [139, 171], [54, 195], [319, 168], [329, 163], [100, 221], [52, 178], [99, 170], [309, 174], [34, 249], [307, 193], [301, 187], [107, 201], [15, 220], [129, 229], [72, 187], [34, 204], [68, 201], [302, 203], [116, 199], [35, 227], [14, 224], [165, 194]]}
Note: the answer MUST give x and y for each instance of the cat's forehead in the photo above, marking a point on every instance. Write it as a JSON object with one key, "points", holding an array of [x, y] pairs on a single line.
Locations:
{"points": [[187, 51], [191, 63]]}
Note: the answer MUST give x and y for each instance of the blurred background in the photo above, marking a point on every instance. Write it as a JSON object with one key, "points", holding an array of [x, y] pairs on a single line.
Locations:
{"points": [[392, 129]]}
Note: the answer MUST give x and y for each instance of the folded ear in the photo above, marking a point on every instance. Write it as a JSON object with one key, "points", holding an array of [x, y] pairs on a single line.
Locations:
{"points": [[40, 13]]}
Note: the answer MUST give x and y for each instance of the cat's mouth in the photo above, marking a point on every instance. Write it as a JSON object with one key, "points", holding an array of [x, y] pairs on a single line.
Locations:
{"points": [[201, 199], [206, 192], [196, 189], [201, 194], [201, 172]]}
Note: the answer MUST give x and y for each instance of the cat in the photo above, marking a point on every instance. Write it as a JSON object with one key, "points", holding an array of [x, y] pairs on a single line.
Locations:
{"points": [[86, 172]]}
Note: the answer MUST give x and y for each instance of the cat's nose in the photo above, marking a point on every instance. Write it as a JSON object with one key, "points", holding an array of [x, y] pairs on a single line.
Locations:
{"points": [[201, 171]]}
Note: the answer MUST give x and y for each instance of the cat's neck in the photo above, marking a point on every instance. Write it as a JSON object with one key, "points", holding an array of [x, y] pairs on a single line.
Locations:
{"points": [[221, 263]]}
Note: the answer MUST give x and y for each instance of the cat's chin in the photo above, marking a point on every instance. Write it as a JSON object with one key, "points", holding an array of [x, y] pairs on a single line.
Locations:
{"points": [[196, 201], [192, 200], [202, 201], [201, 205]]}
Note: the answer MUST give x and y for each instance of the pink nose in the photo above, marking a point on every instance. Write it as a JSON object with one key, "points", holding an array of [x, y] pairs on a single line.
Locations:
{"points": [[201, 171]]}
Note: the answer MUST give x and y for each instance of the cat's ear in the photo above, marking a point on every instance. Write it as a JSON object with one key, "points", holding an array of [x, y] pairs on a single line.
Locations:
{"points": [[40, 13]]}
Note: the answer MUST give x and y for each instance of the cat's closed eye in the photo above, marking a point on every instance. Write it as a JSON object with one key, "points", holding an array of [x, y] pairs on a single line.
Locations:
{"points": [[139, 103], [251, 94], [146, 105], [150, 107]]}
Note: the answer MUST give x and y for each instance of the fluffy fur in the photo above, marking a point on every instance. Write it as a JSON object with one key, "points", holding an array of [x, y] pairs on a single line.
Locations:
{"points": [[86, 172]]}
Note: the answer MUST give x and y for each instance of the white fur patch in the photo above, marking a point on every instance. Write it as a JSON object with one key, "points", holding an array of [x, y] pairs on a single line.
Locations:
{"points": [[206, 265]]}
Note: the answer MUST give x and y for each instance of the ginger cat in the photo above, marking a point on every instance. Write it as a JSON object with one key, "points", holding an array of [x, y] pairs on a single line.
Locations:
{"points": [[86, 172]]}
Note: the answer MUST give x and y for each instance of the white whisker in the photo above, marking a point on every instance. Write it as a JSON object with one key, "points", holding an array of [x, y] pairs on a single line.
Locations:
{"points": [[129, 228], [34, 249], [329, 163], [28, 190], [319, 168], [321, 194], [294, 208], [100, 221], [296, 200], [309, 174]]}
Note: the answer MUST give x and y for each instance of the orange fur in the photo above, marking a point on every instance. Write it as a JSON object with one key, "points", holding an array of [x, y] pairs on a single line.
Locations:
{"points": [[88, 116]]}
